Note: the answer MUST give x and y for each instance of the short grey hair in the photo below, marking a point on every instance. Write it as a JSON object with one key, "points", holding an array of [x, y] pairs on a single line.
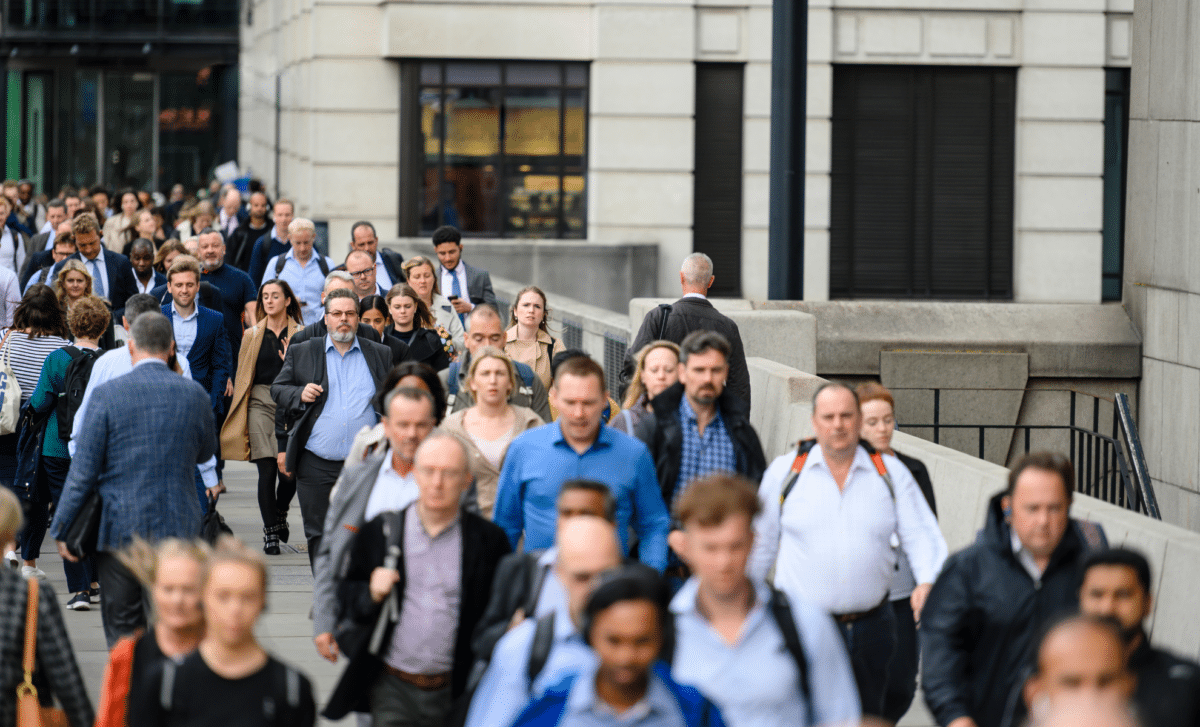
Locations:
{"points": [[411, 393], [340, 293], [139, 304], [152, 333], [301, 224], [333, 275], [697, 269]]}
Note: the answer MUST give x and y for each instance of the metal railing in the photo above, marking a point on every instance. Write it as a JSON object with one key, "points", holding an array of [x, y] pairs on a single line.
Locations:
{"points": [[1109, 467]]}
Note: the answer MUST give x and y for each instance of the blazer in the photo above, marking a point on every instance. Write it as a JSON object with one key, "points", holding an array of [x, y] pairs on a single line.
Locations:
{"points": [[145, 433], [120, 277], [483, 544], [235, 437], [425, 347], [485, 473], [392, 262], [34, 264], [37, 245], [319, 330], [479, 284], [303, 364], [209, 358]]}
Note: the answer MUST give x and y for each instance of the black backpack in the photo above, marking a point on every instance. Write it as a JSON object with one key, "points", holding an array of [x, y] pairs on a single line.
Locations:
{"points": [[75, 382]]}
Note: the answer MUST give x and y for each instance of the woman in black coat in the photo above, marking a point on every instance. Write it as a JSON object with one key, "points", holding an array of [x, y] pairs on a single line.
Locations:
{"points": [[413, 324]]}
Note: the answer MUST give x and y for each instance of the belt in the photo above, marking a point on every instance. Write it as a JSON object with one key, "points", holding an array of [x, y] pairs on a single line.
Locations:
{"points": [[849, 618], [425, 682]]}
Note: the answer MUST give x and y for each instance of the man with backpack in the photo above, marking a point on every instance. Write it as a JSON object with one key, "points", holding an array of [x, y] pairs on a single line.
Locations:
{"points": [[834, 513], [762, 658], [303, 268], [484, 328]]}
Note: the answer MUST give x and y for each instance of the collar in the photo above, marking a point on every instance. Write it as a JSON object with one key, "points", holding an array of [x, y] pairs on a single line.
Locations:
{"points": [[277, 238], [657, 700], [549, 556], [389, 461], [99, 256], [416, 517], [329, 344], [604, 438], [511, 335], [684, 601], [150, 359], [701, 296], [862, 460], [688, 414], [195, 311]]}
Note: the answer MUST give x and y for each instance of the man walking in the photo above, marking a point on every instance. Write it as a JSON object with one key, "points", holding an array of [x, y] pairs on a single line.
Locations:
{"points": [[323, 397], [240, 244], [387, 262], [145, 434], [273, 243], [690, 313], [112, 275], [464, 285], [239, 297], [303, 268], [199, 332], [362, 268]]}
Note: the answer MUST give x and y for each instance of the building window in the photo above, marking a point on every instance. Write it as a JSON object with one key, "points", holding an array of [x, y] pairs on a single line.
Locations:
{"points": [[1116, 135], [502, 146], [921, 198]]}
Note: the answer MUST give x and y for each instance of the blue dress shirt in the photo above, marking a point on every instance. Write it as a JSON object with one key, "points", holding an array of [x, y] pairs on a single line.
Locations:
{"points": [[347, 402], [540, 460], [658, 708], [702, 454], [185, 330], [306, 282]]}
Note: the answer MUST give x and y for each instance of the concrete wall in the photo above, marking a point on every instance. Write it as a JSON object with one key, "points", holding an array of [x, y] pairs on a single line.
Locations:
{"points": [[1162, 265], [781, 413]]}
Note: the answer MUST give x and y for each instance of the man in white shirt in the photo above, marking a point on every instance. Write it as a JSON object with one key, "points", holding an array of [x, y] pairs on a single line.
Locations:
{"points": [[231, 205], [832, 534], [303, 268], [387, 262]]}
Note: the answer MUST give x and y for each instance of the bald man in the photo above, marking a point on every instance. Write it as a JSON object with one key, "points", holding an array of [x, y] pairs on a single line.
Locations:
{"points": [[552, 645], [1081, 660]]}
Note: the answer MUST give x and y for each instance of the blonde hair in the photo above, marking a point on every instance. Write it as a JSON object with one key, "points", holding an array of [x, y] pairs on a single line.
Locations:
{"points": [[417, 261], [60, 287], [231, 550], [142, 558], [492, 352], [11, 517], [636, 387]]}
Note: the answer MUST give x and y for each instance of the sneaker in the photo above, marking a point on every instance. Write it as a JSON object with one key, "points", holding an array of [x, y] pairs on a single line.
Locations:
{"points": [[32, 571], [80, 602], [94, 594], [11, 559]]}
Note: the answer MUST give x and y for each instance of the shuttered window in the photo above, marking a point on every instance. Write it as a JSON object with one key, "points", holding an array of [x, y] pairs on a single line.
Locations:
{"points": [[717, 188], [921, 199]]}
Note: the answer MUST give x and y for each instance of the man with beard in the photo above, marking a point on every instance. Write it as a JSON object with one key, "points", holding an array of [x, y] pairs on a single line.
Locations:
{"points": [[239, 297], [1116, 587], [241, 241], [323, 398]]}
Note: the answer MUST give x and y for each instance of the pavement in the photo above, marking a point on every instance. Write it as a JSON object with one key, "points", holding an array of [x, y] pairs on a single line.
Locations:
{"points": [[284, 629]]}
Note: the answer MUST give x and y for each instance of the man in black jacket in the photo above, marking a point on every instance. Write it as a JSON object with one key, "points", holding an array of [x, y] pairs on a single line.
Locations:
{"points": [[699, 426], [419, 664], [1116, 587], [982, 620], [690, 313], [241, 241], [342, 279]]}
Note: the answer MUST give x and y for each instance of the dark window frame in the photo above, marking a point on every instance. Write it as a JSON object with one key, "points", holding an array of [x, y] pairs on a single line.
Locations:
{"points": [[1116, 176]]}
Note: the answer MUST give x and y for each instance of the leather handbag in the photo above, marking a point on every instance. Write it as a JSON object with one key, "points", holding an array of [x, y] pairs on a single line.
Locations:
{"points": [[212, 525], [10, 392], [30, 712], [83, 532]]}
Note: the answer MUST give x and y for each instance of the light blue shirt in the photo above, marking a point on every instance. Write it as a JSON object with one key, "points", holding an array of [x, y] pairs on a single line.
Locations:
{"points": [[755, 682], [539, 461], [306, 281], [584, 709], [505, 689], [347, 402], [185, 330]]}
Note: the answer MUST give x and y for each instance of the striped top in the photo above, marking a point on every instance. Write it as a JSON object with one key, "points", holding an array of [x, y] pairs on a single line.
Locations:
{"points": [[27, 356]]}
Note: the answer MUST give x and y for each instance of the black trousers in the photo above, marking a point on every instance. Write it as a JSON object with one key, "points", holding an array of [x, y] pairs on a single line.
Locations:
{"points": [[871, 643], [315, 477], [902, 677], [124, 605]]}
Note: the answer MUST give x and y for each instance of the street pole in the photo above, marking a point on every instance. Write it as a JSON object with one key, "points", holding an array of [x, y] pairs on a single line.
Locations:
{"points": [[789, 76]]}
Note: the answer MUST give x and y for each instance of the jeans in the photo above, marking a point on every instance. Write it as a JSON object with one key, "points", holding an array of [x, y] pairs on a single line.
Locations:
{"points": [[871, 643], [315, 477], [902, 677], [79, 575]]}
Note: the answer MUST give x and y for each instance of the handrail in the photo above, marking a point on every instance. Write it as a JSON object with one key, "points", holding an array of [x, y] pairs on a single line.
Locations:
{"points": [[1137, 456]]}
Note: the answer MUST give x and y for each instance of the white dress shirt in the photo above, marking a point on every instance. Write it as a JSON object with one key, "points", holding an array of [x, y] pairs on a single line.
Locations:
{"points": [[460, 271], [99, 272], [381, 273], [392, 490], [833, 546], [150, 285], [1025, 558]]}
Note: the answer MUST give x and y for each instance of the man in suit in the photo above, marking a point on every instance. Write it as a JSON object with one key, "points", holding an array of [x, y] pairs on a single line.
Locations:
{"points": [[323, 397], [41, 271], [42, 243], [199, 332], [690, 313], [413, 674], [383, 481], [112, 274], [145, 433], [230, 214], [362, 269], [387, 262], [141, 256], [465, 286], [343, 280]]}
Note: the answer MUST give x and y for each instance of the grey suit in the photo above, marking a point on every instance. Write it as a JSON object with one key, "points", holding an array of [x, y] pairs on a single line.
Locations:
{"points": [[479, 284]]}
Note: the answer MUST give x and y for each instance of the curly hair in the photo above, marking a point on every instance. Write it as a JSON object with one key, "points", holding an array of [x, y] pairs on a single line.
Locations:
{"points": [[88, 318]]}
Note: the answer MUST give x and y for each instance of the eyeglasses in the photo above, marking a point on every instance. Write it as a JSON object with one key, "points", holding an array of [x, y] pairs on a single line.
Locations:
{"points": [[360, 273]]}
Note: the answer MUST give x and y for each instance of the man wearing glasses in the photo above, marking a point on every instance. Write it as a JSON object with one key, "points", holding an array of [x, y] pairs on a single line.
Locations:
{"points": [[362, 268]]}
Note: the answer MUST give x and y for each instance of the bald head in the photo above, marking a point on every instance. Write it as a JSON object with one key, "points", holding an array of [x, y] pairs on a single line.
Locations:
{"points": [[442, 475], [1080, 659], [1085, 713], [587, 546]]}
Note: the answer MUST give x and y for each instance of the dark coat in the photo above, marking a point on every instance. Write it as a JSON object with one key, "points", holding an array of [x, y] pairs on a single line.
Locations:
{"points": [[920, 473], [483, 545], [663, 436], [687, 315], [425, 347], [303, 364], [319, 329], [392, 262], [1168, 687], [241, 243], [983, 619], [36, 257]]}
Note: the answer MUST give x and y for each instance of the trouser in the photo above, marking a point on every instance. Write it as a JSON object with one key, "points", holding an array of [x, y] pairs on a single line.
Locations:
{"points": [[79, 575], [396, 703], [219, 419], [124, 606], [37, 516], [315, 477], [871, 643], [273, 499], [902, 677]]}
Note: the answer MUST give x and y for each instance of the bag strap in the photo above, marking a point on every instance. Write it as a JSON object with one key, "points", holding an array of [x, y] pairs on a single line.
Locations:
{"points": [[803, 447], [781, 609], [662, 325], [535, 584], [26, 687], [166, 689], [539, 649]]}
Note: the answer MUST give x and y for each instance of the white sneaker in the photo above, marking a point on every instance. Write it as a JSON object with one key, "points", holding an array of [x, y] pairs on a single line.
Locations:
{"points": [[11, 559], [32, 571]]}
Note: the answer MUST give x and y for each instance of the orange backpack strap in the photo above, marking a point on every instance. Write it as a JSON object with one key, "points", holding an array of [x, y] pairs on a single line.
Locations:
{"points": [[802, 449], [880, 467]]}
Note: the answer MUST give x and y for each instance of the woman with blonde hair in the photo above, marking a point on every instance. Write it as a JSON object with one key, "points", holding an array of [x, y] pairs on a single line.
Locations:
{"points": [[167, 252], [657, 370], [488, 426], [421, 274], [196, 219], [73, 283], [528, 338], [172, 572]]}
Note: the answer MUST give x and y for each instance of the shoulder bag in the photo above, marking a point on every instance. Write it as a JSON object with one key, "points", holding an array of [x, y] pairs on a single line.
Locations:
{"points": [[30, 712], [83, 532], [10, 392]]}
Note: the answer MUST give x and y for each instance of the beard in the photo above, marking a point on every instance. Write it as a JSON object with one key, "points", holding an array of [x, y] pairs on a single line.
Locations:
{"points": [[342, 336]]}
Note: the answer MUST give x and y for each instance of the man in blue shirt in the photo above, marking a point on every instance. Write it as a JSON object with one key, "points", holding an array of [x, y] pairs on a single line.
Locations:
{"points": [[580, 446], [303, 268], [730, 638]]}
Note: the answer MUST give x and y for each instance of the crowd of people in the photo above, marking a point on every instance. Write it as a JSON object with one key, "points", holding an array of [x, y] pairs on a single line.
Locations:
{"points": [[494, 537]]}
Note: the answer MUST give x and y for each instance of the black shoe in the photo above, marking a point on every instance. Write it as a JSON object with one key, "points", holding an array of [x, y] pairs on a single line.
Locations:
{"points": [[270, 540], [281, 526]]}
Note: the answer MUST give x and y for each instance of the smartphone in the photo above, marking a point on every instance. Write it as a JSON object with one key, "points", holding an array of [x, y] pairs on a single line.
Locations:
{"points": [[452, 297]]}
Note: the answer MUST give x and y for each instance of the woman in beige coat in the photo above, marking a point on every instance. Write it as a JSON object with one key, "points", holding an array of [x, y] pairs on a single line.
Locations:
{"points": [[249, 431], [491, 424]]}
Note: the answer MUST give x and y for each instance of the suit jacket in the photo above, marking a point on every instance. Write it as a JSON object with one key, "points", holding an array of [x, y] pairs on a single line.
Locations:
{"points": [[479, 284], [304, 364], [209, 358], [145, 433], [392, 262], [37, 244], [483, 544], [34, 264], [120, 277]]}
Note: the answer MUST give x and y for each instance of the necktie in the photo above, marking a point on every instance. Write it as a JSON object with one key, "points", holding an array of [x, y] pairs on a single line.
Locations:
{"points": [[97, 281], [456, 289]]}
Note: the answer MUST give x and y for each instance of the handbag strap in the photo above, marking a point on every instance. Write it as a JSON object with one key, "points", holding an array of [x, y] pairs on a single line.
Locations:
{"points": [[26, 687]]}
